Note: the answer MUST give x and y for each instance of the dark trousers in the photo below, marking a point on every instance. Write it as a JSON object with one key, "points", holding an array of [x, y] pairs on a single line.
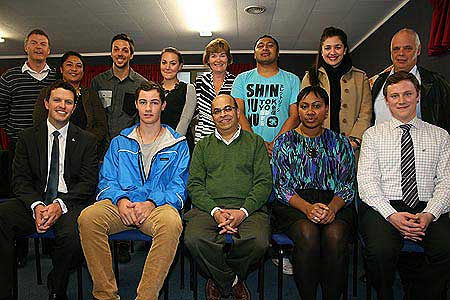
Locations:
{"points": [[17, 220], [205, 244], [422, 277]]}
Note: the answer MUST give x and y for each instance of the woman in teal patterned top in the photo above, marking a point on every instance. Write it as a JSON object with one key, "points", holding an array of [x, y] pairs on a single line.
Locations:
{"points": [[314, 181]]}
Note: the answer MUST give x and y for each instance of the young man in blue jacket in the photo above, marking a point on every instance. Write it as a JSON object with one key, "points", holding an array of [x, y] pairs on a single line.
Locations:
{"points": [[142, 184]]}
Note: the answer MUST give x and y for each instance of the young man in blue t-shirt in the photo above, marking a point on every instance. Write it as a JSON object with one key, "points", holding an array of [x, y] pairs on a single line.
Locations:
{"points": [[267, 95]]}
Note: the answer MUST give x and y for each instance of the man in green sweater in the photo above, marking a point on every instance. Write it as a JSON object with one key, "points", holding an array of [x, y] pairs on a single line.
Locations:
{"points": [[229, 183]]}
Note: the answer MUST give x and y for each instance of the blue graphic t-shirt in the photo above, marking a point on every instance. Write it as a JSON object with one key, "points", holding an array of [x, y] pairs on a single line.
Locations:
{"points": [[266, 100]]}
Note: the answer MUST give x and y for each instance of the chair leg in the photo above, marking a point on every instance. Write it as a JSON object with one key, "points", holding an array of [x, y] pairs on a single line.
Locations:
{"points": [[261, 279], [280, 274], [166, 288], [116, 260], [80, 282], [37, 253], [15, 287], [182, 261], [194, 279], [355, 267], [368, 290]]}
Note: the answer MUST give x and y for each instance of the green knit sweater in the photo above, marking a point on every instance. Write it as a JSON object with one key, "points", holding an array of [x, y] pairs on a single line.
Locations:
{"points": [[233, 176]]}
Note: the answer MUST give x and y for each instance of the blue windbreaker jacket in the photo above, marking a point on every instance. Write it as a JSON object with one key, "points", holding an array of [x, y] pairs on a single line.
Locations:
{"points": [[122, 173]]}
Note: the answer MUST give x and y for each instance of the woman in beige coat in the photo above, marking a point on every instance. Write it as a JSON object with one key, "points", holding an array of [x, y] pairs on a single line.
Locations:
{"points": [[350, 109]]}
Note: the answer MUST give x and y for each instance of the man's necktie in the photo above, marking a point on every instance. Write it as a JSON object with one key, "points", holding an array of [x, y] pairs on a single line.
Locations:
{"points": [[410, 194], [53, 176]]}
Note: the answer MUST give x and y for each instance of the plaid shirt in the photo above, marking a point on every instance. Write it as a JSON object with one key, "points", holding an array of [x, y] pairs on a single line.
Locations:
{"points": [[379, 170]]}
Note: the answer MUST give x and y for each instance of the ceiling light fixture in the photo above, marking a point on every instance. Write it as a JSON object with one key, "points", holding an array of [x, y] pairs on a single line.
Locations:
{"points": [[255, 9], [205, 33], [200, 16]]}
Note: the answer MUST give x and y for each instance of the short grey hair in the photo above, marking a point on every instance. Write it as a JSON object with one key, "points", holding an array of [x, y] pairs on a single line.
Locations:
{"points": [[411, 32]]}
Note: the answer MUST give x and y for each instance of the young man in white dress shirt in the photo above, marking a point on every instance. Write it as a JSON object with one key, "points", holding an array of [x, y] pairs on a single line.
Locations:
{"points": [[404, 182]]}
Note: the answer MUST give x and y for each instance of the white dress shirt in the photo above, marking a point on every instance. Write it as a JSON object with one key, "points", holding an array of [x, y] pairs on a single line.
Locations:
{"points": [[62, 187], [379, 170], [36, 75], [382, 112]]}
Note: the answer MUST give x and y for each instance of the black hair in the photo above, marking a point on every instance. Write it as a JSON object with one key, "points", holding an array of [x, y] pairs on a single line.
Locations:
{"points": [[148, 86], [318, 92], [319, 62], [124, 37], [69, 54], [60, 84]]}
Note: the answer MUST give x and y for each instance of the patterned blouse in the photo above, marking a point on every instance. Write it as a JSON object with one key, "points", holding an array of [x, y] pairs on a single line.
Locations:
{"points": [[325, 162], [204, 88]]}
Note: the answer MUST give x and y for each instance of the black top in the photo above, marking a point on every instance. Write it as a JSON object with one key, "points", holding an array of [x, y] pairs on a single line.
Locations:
{"points": [[79, 115], [334, 76], [175, 101]]}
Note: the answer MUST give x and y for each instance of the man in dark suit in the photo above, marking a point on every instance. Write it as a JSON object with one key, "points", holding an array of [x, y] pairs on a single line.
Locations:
{"points": [[54, 178], [434, 104]]}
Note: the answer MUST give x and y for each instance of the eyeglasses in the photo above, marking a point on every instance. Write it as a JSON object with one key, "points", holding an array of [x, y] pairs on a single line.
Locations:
{"points": [[227, 109]]}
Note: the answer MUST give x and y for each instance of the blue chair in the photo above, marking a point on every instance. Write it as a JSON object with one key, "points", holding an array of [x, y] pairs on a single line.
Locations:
{"points": [[281, 243], [36, 237], [132, 235]]}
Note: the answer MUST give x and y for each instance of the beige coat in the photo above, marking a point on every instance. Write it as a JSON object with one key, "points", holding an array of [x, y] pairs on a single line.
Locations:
{"points": [[356, 103]]}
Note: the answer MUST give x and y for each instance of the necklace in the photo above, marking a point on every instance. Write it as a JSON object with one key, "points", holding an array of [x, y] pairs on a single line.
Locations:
{"points": [[140, 135], [310, 136], [311, 151]]}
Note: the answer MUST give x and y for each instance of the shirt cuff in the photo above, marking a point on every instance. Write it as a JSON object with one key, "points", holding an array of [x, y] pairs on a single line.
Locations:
{"points": [[34, 204], [62, 204], [245, 211], [433, 208], [214, 210]]}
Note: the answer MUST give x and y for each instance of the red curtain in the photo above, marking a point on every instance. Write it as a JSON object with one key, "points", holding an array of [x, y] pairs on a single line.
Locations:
{"points": [[440, 28], [236, 69], [3, 140]]}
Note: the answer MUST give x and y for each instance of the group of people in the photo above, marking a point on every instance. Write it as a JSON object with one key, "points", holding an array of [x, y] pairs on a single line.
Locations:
{"points": [[264, 140]]}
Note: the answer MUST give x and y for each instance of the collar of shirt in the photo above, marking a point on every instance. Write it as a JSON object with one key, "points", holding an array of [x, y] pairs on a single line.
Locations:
{"points": [[62, 131], [414, 71], [132, 75], [36, 75], [27, 68], [235, 136], [397, 123]]}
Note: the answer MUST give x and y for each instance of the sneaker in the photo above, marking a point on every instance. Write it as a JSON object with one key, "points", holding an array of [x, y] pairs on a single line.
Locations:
{"points": [[288, 269]]}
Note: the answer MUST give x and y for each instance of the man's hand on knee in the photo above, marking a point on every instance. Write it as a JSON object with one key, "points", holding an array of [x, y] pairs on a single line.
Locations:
{"points": [[237, 216], [126, 212], [223, 219], [51, 215], [407, 224]]}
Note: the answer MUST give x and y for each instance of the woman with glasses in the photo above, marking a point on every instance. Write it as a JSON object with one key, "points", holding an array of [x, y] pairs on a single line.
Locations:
{"points": [[180, 97], [314, 183], [217, 57], [89, 113]]}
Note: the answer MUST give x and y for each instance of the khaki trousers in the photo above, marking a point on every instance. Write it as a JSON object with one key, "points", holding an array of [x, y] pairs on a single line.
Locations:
{"points": [[99, 220]]}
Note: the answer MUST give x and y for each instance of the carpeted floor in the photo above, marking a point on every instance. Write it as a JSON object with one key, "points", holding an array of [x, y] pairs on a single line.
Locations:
{"points": [[130, 274]]}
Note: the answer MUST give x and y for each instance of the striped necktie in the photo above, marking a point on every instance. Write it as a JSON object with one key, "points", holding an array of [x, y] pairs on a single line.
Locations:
{"points": [[410, 194]]}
